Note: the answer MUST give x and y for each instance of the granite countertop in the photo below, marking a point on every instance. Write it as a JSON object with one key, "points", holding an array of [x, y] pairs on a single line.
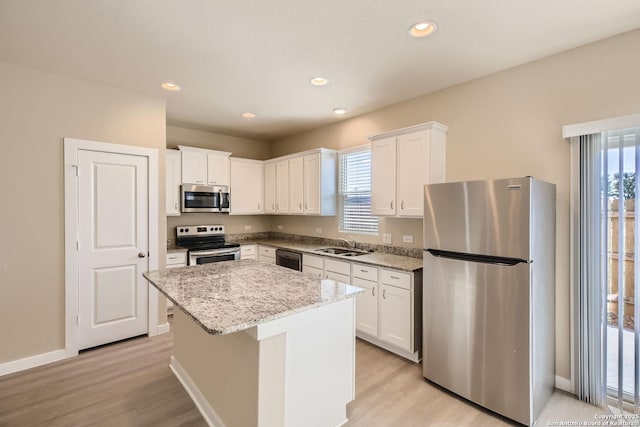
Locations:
{"points": [[379, 259], [226, 297]]}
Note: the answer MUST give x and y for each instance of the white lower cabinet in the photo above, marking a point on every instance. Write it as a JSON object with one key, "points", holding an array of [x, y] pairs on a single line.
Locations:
{"points": [[366, 306], [249, 252], [395, 316], [313, 266], [339, 271], [267, 254]]}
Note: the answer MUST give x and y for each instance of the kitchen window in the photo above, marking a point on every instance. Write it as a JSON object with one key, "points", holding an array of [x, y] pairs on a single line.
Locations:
{"points": [[354, 191]]}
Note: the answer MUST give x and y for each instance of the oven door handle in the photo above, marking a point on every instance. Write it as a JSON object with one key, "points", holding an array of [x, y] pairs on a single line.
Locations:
{"points": [[209, 253]]}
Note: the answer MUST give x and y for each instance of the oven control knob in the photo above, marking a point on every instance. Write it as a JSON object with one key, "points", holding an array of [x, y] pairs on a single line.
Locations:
{"points": [[182, 230], [186, 230], [211, 229]]}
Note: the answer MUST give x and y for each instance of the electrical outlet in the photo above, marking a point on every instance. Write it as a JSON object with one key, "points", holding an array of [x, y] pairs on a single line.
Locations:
{"points": [[279, 227], [386, 238], [319, 230], [247, 227], [407, 239]]}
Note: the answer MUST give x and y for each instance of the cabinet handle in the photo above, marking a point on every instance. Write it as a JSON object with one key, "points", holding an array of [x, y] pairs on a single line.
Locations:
{"points": [[395, 277], [362, 270], [258, 206], [402, 205], [300, 206], [392, 204], [273, 207], [384, 293], [176, 206], [373, 291], [305, 205]]}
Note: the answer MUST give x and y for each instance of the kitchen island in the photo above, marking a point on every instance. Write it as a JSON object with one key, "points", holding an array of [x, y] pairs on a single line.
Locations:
{"points": [[257, 344]]}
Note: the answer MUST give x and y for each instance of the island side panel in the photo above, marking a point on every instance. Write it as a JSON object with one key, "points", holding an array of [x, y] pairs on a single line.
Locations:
{"points": [[223, 367], [320, 367]]}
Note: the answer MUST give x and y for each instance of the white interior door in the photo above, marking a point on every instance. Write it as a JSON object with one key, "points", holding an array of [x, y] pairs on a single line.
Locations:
{"points": [[112, 247]]}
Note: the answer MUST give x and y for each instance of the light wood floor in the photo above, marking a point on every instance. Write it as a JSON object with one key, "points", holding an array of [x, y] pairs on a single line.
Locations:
{"points": [[130, 384]]}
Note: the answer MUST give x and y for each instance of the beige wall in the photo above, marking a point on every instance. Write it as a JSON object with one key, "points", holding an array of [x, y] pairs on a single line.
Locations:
{"points": [[38, 110], [503, 125], [240, 147]]}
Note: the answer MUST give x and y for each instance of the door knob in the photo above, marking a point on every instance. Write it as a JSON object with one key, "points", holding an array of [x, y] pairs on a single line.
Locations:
{"points": [[141, 255]]}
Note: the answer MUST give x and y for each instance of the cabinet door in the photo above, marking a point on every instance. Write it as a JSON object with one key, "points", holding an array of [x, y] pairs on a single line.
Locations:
{"points": [[282, 186], [194, 167], [342, 278], [313, 272], [173, 181], [296, 185], [366, 306], [383, 176], [217, 169], [395, 316], [246, 187], [413, 172], [270, 187], [312, 184]]}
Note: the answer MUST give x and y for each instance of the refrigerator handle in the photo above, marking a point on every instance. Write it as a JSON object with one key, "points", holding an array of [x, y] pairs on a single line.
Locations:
{"points": [[486, 259]]}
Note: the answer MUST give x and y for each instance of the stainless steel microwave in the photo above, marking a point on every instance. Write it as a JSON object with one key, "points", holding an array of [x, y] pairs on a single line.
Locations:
{"points": [[204, 198]]}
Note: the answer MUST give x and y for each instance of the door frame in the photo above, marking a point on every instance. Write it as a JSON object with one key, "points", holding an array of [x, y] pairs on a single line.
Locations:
{"points": [[71, 148]]}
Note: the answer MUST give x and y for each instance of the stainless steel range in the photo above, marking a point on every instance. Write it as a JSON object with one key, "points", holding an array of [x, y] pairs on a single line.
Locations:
{"points": [[206, 244]]}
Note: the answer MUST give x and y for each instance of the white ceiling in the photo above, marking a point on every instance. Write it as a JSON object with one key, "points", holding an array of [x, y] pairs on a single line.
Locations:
{"points": [[232, 56]]}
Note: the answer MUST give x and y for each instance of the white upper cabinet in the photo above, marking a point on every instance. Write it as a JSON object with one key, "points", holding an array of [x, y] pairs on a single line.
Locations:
{"points": [[218, 168], [383, 176], [296, 185], [269, 187], [320, 183], [247, 186], [282, 186], [204, 167], [194, 167], [402, 162], [173, 180]]}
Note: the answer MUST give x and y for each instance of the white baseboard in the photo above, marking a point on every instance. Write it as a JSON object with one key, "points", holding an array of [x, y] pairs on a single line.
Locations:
{"points": [[32, 362], [209, 415], [163, 328], [564, 384]]}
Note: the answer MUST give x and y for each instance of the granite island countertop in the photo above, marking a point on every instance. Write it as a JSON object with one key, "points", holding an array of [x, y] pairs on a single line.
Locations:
{"points": [[230, 296], [379, 259]]}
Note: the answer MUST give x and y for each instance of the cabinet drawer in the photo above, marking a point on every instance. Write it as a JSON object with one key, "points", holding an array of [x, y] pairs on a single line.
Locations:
{"points": [[395, 278], [340, 267], [246, 250], [363, 271], [267, 251], [313, 261], [177, 258]]}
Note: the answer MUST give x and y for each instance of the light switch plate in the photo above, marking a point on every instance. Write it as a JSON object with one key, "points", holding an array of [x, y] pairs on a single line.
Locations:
{"points": [[386, 238], [279, 227], [247, 227], [319, 230], [407, 239]]}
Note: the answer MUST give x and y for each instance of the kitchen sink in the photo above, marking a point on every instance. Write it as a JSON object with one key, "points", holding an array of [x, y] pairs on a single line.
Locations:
{"points": [[341, 251]]}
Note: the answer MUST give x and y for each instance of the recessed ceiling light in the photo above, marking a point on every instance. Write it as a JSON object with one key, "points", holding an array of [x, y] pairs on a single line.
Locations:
{"points": [[422, 29], [339, 111], [248, 115], [319, 81], [171, 86]]}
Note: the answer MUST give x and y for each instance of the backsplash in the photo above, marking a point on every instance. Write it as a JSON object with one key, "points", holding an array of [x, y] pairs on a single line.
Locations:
{"points": [[266, 235]]}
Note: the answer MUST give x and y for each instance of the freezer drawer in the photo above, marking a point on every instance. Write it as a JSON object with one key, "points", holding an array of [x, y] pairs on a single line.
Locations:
{"points": [[476, 332]]}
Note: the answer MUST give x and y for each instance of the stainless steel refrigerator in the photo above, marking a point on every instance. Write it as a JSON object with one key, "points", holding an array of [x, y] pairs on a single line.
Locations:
{"points": [[489, 293]]}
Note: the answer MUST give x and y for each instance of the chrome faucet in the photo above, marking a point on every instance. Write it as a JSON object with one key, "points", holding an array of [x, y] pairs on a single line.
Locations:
{"points": [[351, 243]]}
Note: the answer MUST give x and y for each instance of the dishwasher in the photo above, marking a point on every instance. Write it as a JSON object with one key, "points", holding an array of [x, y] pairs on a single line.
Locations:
{"points": [[289, 259]]}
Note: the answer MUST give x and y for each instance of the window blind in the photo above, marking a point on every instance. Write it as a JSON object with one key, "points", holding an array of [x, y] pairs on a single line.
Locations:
{"points": [[354, 191]]}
